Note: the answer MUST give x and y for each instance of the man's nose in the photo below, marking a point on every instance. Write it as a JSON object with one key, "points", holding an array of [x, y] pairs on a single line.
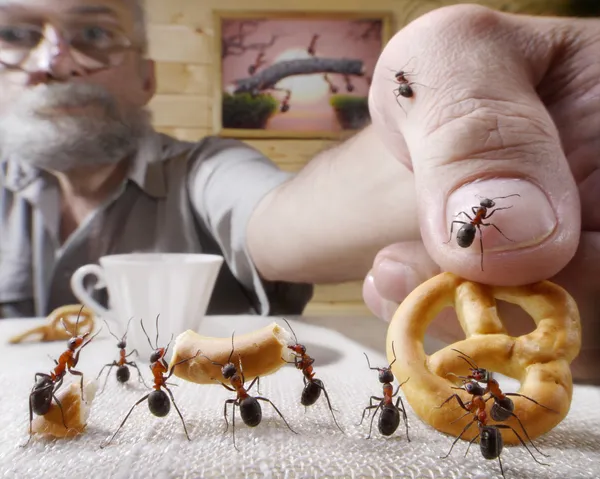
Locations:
{"points": [[53, 60]]}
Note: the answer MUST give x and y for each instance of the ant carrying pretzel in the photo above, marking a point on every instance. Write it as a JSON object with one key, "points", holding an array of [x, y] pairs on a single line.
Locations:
{"points": [[466, 233], [389, 419], [490, 439], [46, 385], [122, 364], [312, 386], [158, 401], [250, 409]]}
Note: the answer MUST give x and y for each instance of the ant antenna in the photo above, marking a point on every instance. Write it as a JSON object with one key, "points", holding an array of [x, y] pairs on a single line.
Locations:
{"points": [[289, 326], [497, 197], [394, 351], [112, 334], [232, 348], [146, 334], [169, 344], [156, 342], [468, 359], [374, 369], [126, 329]]}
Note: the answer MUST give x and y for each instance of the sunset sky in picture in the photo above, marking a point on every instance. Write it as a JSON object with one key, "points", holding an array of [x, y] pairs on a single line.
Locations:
{"points": [[309, 103]]}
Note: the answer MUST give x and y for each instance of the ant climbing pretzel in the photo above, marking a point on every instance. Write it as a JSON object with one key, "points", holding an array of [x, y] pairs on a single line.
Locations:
{"points": [[498, 412], [466, 233], [503, 406], [122, 364], [46, 385], [312, 386], [389, 419], [250, 409], [490, 442], [158, 401]]}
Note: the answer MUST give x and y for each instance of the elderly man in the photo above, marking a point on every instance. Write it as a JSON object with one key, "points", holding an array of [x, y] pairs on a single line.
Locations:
{"points": [[83, 174]]}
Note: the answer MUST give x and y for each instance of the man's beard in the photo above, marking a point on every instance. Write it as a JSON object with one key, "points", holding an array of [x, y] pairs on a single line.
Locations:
{"points": [[63, 142]]}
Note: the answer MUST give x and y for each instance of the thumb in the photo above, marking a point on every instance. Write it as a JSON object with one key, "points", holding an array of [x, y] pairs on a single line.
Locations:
{"points": [[486, 155]]}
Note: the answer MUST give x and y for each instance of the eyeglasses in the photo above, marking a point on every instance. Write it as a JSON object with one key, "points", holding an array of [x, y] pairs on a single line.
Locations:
{"points": [[92, 45]]}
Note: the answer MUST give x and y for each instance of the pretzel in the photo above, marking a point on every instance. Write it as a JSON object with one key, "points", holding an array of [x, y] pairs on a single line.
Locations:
{"points": [[540, 360], [53, 330], [261, 352], [75, 409]]}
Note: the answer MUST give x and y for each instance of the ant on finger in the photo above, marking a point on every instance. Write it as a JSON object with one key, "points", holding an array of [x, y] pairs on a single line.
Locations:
{"points": [[158, 401], [466, 233], [389, 419], [46, 385], [503, 406], [250, 409], [122, 364], [490, 438], [312, 386]]}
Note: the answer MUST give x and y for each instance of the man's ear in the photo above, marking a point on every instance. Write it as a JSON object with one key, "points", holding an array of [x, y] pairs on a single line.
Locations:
{"points": [[148, 74]]}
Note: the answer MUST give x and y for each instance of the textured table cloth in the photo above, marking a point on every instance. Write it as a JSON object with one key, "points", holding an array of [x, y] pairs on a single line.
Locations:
{"points": [[150, 447]]}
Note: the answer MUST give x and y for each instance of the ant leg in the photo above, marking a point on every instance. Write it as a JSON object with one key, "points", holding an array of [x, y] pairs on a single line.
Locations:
{"points": [[276, 410], [452, 228], [459, 418], [532, 400], [460, 402], [404, 416], [459, 436], [102, 446], [494, 210], [107, 374], [234, 402], [501, 468], [364, 411], [229, 388], [481, 244], [105, 366], [506, 426], [524, 430], [322, 386], [379, 406], [62, 412], [140, 377], [469, 446], [78, 373], [498, 229], [178, 411], [133, 351], [256, 379], [397, 95], [181, 362]]}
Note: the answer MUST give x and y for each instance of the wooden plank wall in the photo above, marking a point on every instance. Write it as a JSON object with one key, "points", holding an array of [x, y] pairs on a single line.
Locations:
{"points": [[182, 44]]}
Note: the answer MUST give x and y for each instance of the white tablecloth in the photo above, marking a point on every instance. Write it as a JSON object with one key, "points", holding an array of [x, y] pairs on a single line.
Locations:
{"points": [[150, 447]]}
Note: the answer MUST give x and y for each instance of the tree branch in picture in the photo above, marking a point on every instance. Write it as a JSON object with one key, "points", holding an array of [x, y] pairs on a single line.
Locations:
{"points": [[236, 44], [269, 77]]}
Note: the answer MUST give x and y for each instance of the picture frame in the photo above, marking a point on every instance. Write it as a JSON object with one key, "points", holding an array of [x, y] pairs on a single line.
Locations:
{"points": [[287, 74]]}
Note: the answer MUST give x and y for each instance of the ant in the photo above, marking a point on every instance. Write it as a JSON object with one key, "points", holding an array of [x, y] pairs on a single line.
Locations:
{"points": [[46, 385], [250, 409], [503, 406], [466, 233], [389, 419], [490, 442], [312, 386], [122, 364], [313, 44], [158, 401], [258, 62]]}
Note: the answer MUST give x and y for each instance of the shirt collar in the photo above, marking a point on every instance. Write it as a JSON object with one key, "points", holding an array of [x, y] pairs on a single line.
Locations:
{"points": [[147, 169]]}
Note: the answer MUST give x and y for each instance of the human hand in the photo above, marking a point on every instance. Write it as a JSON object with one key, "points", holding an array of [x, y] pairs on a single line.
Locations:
{"points": [[502, 104]]}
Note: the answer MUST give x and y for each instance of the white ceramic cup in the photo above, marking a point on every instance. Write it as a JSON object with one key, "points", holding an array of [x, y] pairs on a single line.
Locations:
{"points": [[176, 286]]}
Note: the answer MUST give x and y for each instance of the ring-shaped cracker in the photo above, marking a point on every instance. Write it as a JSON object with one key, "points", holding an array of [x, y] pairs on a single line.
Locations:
{"points": [[540, 360]]}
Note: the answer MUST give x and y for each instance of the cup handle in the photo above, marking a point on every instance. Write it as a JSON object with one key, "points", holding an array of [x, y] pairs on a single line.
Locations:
{"points": [[82, 295]]}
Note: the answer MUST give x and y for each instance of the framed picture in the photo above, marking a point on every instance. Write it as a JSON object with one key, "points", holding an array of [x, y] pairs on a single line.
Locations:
{"points": [[295, 75]]}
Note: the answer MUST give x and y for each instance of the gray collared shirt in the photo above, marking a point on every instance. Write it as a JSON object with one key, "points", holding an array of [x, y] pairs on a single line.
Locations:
{"points": [[178, 197]]}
